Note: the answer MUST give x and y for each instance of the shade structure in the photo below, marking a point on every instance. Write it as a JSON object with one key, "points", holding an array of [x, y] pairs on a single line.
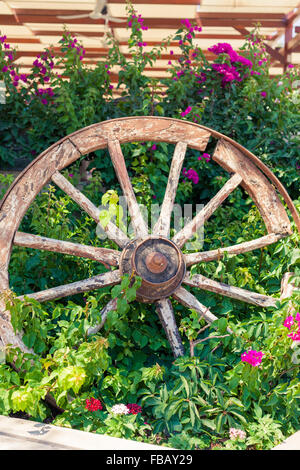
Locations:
{"points": [[33, 25]]}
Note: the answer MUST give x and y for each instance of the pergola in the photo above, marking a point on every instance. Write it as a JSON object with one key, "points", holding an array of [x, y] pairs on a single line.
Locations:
{"points": [[33, 25]]}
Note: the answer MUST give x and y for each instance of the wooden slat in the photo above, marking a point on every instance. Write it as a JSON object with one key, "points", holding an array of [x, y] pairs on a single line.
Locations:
{"points": [[96, 282], [257, 186], [244, 295], [189, 300], [113, 232], [193, 258], [140, 129], [139, 225], [187, 232], [102, 255], [162, 226], [166, 315]]}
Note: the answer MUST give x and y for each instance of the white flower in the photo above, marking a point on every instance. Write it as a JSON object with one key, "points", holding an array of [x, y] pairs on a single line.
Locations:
{"points": [[237, 434], [120, 409]]}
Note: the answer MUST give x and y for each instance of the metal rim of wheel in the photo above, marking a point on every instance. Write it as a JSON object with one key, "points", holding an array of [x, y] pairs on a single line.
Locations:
{"points": [[156, 258]]}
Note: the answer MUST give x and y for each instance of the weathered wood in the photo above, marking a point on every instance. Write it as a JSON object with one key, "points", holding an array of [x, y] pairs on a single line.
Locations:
{"points": [[257, 186], [8, 337], [187, 232], [113, 232], [139, 225], [96, 282], [205, 256], [166, 315], [102, 255], [162, 226], [112, 305], [21, 194], [229, 291], [288, 285], [141, 129], [189, 300]]}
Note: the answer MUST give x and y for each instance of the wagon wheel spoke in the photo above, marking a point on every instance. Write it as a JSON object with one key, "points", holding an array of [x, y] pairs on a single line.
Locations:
{"points": [[112, 231], [112, 305], [187, 232], [162, 225], [166, 315], [96, 282], [102, 255], [245, 295], [117, 158], [211, 255], [189, 300]]}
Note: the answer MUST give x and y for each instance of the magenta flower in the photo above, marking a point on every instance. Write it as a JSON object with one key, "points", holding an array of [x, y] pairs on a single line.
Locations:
{"points": [[263, 94], [5, 68], [253, 357], [187, 111], [191, 175], [295, 336], [206, 156], [290, 66], [288, 322]]}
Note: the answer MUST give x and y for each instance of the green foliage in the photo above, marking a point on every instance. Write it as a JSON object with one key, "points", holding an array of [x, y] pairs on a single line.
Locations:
{"points": [[266, 125]]}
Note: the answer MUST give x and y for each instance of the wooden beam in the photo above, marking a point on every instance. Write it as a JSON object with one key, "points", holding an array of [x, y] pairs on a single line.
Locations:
{"points": [[208, 15], [273, 52], [96, 34], [24, 40], [49, 16]]}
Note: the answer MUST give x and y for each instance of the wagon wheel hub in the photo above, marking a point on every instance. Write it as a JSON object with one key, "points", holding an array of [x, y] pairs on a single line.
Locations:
{"points": [[160, 264], [156, 262]]}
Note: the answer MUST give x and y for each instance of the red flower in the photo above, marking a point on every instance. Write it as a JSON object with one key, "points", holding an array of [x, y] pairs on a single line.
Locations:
{"points": [[134, 409], [93, 404]]}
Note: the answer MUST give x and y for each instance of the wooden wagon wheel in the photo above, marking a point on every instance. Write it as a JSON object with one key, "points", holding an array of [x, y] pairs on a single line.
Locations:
{"points": [[157, 259]]}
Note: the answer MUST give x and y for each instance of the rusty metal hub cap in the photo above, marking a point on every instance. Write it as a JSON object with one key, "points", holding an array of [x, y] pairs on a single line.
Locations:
{"points": [[160, 264]]}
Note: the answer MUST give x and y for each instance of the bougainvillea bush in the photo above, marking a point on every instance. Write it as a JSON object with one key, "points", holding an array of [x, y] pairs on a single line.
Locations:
{"points": [[229, 391], [234, 95]]}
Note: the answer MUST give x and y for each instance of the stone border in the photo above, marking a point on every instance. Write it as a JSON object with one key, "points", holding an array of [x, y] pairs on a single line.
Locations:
{"points": [[21, 434], [291, 443]]}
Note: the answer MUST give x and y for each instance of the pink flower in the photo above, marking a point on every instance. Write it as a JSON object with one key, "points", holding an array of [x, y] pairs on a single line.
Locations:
{"points": [[288, 322], [253, 357], [263, 94], [290, 66], [187, 111], [295, 336], [237, 434], [191, 175]]}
